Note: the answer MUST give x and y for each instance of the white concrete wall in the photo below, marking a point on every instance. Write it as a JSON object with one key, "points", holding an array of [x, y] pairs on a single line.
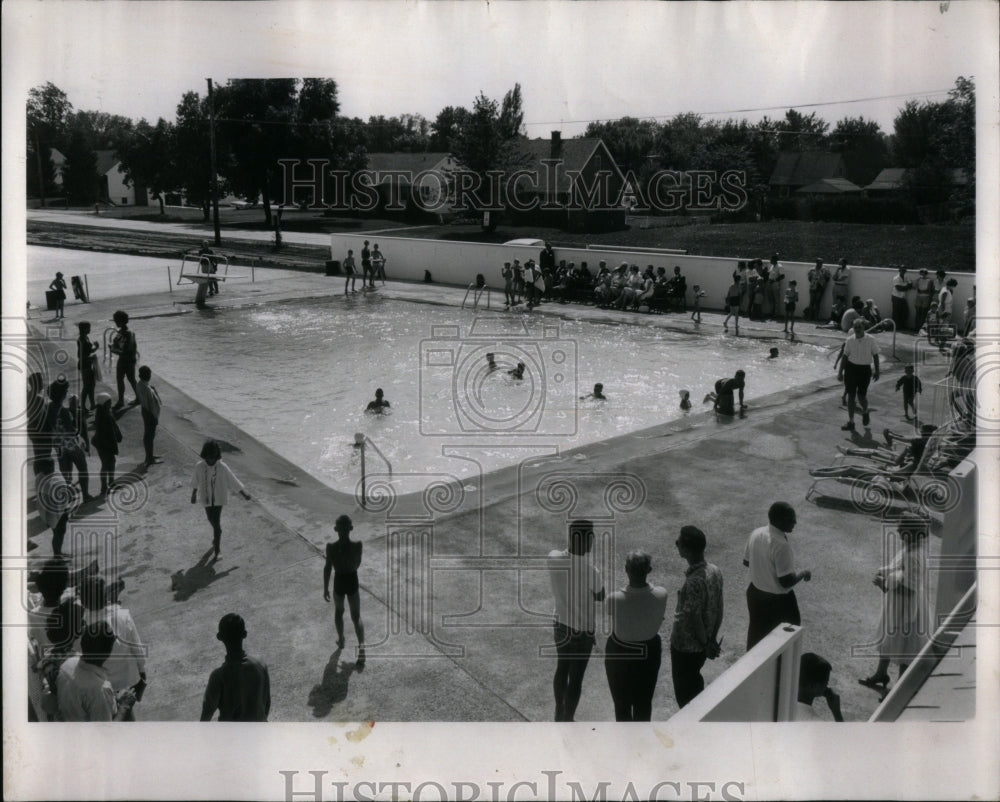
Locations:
{"points": [[459, 262]]}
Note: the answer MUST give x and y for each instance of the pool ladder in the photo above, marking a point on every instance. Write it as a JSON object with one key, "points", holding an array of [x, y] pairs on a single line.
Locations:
{"points": [[477, 289], [362, 440]]}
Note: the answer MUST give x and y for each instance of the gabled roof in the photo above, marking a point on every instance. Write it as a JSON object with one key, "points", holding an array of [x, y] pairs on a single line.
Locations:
{"points": [[830, 186], [572, 153], [799, 169], [893, 178], [889, 178], [411, 162], [106, 161]]}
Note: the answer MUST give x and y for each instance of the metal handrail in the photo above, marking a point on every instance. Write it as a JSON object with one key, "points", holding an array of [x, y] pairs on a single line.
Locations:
{"points": [[478, 294], [360, 441], [108, 333]]}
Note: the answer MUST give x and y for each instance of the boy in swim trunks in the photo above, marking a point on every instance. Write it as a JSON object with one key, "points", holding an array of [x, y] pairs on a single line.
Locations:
{"points": [[344, 558]]}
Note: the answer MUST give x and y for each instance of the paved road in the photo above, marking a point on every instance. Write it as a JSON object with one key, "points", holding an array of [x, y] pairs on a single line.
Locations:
{"points": [[195, 230]]}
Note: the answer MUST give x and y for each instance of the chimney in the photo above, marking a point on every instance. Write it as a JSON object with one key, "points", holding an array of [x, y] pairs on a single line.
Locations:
{"points": [[556, 150]]}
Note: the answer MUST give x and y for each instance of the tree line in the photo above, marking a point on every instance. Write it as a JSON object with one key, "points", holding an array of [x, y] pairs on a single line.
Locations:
{"points": [[259, 121]]}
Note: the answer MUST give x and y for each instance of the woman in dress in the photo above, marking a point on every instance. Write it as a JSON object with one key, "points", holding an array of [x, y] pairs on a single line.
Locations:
{"points": [[906, 616], [58, 286], [214, 480]]}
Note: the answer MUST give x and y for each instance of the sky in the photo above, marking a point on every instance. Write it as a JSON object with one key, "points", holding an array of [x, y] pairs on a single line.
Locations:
{"points": [[576, 62]]}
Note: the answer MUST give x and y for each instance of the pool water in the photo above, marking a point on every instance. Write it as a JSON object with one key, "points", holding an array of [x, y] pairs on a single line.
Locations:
{"points": [[297, 375]]}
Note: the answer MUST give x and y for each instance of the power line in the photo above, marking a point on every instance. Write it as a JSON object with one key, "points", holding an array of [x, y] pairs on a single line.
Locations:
{"points": [[928, 93]]}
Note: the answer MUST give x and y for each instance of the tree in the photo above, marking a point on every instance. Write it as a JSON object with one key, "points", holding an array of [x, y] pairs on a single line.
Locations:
{"points": [[80, 179], [192, 160], [511, 120], [256, 122], [446, 127], [801, 131], [911, 140], [630, 140], [47, 110], [148, 158], [678, 141]]}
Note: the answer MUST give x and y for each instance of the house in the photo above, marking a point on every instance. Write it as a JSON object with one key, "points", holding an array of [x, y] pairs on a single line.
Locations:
{"points": [[894, 180], [830, 186], [408, 180], [58, 164], [795, 170], [568, 182], [111, 182]]}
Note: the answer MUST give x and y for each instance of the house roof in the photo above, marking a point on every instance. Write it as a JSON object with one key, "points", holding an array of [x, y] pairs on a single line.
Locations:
{"points": [[106, 161], [889, 178], [830, 186], [573, 155], [799, 169], [892, 178], [409, 162]]}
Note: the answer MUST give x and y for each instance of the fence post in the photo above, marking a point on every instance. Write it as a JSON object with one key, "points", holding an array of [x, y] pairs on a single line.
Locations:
{"points": [[170, 278]]}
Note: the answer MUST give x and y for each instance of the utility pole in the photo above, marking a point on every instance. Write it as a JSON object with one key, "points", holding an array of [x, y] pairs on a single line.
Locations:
{"points": [[215, 175], [41, 173]]}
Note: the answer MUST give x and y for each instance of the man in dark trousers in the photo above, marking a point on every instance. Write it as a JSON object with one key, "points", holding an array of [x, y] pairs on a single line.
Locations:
{"points": [[768, 554], [695, 634], [240, 689], [577, 586], [547, 260], [149, 401]]}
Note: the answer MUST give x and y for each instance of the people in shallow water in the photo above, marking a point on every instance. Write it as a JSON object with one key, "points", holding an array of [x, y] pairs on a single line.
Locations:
{"points": [[379, 405], [685, 400], [518, 372], [598, 393], [725, 389], [773, 354], [491, 362]]}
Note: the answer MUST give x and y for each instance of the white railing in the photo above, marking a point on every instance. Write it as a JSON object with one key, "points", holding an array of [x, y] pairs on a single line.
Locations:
{"points": [[763, 685]]}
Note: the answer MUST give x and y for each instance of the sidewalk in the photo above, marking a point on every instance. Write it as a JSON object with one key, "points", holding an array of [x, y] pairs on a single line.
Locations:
{"points": [[479, 606]]}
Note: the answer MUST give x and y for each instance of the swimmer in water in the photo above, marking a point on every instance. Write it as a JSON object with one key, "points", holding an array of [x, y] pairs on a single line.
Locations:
{"points": [[774, 353], [685, 400], [597, 394], [379, 405], [491, 362], [518, 372]]}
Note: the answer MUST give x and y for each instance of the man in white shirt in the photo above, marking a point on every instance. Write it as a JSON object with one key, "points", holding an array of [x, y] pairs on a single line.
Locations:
{"points": [[858, 354], [84, 691], [126, 665], [576, 585], [768, 554]]}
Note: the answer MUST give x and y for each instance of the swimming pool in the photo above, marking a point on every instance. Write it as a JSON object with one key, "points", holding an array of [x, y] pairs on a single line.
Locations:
{"points": [[297, 376]]}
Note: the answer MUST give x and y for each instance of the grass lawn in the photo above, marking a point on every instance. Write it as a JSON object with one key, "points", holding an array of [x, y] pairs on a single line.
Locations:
{"points": [[952, 247]]}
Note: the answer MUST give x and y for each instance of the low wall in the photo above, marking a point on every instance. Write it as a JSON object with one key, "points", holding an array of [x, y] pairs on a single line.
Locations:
{"points": [[458, 263]]}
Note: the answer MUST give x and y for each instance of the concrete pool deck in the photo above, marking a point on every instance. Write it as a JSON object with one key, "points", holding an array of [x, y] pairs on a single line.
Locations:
{"points": [[482, 661]]}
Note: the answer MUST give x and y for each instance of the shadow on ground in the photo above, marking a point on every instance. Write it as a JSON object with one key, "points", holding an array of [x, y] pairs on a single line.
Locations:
{"points": [[185, 584], [333, 687]]}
